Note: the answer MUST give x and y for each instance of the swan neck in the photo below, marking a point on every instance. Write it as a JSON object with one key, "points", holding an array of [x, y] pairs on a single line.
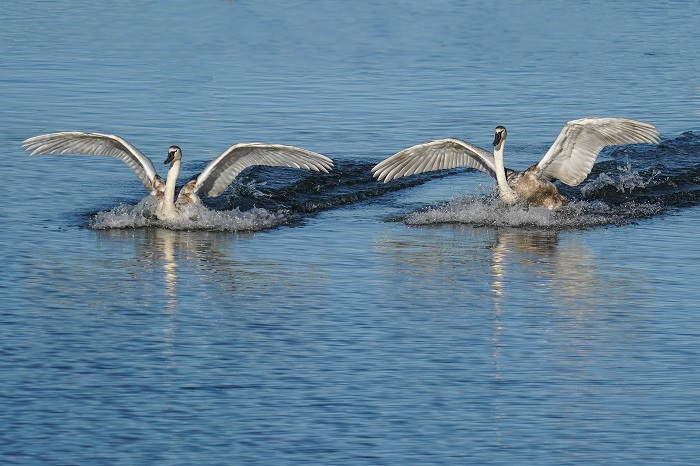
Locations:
{"points": [[505, 192], [170, 182]]}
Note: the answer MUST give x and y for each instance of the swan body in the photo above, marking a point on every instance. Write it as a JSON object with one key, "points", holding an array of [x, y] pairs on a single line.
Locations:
{"points": [[569, 160], [213, 180]]}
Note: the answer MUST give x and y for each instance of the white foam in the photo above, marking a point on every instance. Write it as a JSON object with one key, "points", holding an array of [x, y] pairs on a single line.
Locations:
{"points": [[491, 212], [584, 213], [195, 217]]}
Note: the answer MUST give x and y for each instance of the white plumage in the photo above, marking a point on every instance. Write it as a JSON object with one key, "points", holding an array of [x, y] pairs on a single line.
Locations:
{"points": [[570, 159], [213, 180]]}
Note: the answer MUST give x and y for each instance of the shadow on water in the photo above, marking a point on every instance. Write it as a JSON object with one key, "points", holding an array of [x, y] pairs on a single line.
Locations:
{"points": [[633, 183]]}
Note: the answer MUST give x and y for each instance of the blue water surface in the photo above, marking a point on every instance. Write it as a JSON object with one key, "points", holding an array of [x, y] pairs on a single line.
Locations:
{"points": [[332, 319]]}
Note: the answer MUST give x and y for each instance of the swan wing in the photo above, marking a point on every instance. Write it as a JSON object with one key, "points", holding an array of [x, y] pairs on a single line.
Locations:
{"points": [[95, 144], [571, 157], [222, 170], [435, 155]]}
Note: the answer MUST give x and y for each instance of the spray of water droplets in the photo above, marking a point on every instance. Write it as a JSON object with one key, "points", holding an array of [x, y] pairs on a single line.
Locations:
{"points": [[194, 217], [577, 214]]}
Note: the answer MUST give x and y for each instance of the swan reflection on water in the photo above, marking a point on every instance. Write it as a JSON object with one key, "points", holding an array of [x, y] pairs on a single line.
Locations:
{"points": [[157, 250], [478, 261], [191, 256], [176, 267]]}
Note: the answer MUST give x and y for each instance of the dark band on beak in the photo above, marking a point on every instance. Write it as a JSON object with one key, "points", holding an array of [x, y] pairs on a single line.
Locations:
{"points": [[499, 136], [497, 139]]}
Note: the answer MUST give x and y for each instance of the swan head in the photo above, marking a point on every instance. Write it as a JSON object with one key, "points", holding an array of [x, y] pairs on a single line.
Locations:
{"points": [[174, 153], [500, 136]]}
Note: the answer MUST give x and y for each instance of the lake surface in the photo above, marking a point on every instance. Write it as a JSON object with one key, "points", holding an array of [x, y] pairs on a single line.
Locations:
{"points": [[332, 319]]}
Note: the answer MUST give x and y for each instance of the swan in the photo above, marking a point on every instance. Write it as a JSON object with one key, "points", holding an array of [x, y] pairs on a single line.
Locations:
{"points": [[569, 160], [212, 181]]}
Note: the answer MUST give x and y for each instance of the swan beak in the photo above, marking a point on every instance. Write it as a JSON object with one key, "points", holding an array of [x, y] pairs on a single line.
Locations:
{"points": [[171, 156], [497, 139], [499, 136]]}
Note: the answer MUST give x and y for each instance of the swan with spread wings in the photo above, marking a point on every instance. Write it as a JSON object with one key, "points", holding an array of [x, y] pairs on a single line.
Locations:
{"points": [[569, 160], [213, 180]]}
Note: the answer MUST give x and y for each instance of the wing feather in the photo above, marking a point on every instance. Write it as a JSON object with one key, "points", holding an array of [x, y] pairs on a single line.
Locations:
{"points": [[73, 142], [571, 157], [222, 170], [440, 154]]}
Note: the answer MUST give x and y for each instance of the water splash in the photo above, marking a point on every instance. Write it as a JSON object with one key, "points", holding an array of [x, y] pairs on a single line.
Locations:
{"points": [[195, 217], [587, 212], [492, 212], [624, 180]]}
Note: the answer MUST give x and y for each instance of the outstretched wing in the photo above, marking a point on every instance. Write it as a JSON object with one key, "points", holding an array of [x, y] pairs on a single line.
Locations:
{"points": [[571, 157], [435, 155], [222, 170], [73, 142]]}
